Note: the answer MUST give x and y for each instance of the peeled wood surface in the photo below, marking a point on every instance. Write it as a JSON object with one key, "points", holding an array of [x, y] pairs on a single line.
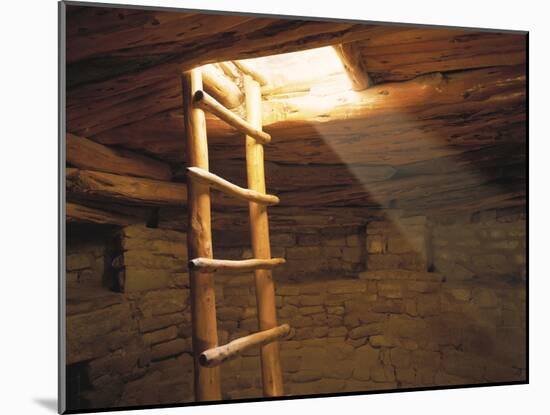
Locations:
{"points": [[199, 243], [217, 84], [220, 354], [87, 154], [124, 189], [249, 69], [211, 265], [230, 69], [272, 380], [223, 185], [353, 63], [208, 103]]}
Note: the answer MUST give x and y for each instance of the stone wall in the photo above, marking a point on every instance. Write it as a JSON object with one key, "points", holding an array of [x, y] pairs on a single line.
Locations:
{"points": [[131, 336], [382, 306]]}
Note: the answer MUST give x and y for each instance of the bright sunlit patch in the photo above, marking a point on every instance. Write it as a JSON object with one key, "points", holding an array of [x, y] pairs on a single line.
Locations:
{"points": [[312, 86], [307, 68]]}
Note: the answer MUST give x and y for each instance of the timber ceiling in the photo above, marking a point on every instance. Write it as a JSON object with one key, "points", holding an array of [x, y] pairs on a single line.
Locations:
{"points": [[442, 129]]}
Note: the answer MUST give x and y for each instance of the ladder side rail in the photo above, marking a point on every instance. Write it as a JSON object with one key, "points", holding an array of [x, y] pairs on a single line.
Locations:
{"points": [[199, 243], [265, 290]]}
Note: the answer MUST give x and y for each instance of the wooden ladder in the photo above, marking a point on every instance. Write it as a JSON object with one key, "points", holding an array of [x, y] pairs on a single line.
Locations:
{"points": [[207, 354]]}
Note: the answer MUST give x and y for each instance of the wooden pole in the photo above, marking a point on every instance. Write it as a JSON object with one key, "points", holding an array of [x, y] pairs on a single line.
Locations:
{"points": [[198, 174], [207, 103], [199, 242], [248, 69], [265, 291], [220, 354], [351, 58], [207, 264], [221, 87]]}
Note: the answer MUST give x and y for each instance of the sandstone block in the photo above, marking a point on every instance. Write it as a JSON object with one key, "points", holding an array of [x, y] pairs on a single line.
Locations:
{"points": [[143, 279], [303, 252], [78, 261], [282, 239], [391, 289], [160, 336], [158, 322], [155, 303], [400, 357], [366, 358], [337, 332], [428, 304], [332, 252], [309, 239], [352, 254], [285, 290], [381, 373], [334, 240], [346, 286], [168, 349], [376, 244], [410, 262], [306, 311], [462, 364], [383, 341], [353, 240], [307, 375]]}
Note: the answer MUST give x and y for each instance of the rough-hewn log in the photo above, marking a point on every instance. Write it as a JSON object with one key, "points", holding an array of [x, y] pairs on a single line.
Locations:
{"points": [[230, 69], [124, 189], [395, 123], [351, 58], [218, 355], [146, 70], [223, 89], [80, 213], [101, 30], [177, 34], [209, 104], [390, 52], [203, 176], [211, 265], [89, 155], [393, 53], [248, 69], [199, 242]]}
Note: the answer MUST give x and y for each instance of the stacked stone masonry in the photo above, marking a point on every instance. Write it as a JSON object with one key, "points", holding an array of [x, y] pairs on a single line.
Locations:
{"points": [[399, 303]]}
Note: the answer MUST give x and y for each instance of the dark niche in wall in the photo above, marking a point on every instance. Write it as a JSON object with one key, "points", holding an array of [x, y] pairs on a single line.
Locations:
{"points": [[90, 251]]}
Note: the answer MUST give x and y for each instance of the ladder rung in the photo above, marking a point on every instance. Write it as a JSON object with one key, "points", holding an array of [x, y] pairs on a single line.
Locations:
{"points": [[215, 356], [208, 103], [210, 265], [227, 187]]}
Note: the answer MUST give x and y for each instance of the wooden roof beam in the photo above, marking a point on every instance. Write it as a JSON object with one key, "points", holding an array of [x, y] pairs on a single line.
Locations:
{"points": [[350, 55]]}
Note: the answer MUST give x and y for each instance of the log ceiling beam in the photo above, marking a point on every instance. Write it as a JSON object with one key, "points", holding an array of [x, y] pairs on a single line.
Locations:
{"points": [[221, 87], [392, 124], [352, 60], [89, 155], [88, 184], [76, 212]]}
